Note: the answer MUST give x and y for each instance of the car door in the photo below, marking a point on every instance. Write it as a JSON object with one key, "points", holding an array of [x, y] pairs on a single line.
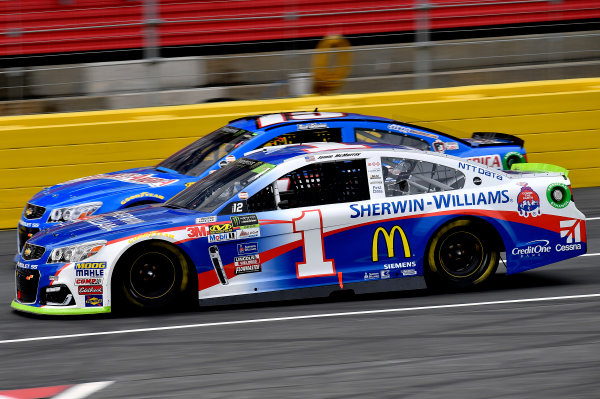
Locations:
{"points": [[304, 218]]}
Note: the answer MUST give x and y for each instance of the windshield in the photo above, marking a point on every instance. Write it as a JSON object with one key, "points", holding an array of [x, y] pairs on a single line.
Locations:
{"points": [[218, 187], [203, 153]]}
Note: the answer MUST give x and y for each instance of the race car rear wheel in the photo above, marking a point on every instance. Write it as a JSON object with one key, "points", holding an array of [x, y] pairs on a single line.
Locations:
{"points": [[460, 255], [151, 276]]}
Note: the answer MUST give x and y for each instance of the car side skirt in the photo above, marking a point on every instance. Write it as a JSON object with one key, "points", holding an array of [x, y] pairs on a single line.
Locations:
{"points": [[368, 287], [58, 311]]}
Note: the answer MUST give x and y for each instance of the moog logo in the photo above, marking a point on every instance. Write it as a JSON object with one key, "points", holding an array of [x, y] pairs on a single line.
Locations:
{"points": [[533, 248]]}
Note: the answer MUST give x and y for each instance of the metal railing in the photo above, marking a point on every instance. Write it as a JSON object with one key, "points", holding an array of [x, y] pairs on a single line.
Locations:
{"points": [[431, 52]]}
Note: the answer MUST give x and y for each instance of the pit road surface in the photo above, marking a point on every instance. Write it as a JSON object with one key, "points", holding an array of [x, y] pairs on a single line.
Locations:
{"points": [[416, 344]]}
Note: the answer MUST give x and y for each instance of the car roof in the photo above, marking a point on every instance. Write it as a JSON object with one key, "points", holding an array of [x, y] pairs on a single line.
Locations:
{"points": [[279, 154], [282, 119], [250, 122]]}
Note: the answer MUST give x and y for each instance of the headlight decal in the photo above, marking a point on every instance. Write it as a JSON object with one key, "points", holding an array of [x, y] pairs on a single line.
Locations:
{"points": [[74, 212], [75, 253]]}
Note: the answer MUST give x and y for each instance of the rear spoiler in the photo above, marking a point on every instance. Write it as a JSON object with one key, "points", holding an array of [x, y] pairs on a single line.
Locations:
{"points": [[498, 136], [539, 167]]}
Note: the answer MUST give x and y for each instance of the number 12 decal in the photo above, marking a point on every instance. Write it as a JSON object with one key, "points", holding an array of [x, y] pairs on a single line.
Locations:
{"points": [[310, 225]]}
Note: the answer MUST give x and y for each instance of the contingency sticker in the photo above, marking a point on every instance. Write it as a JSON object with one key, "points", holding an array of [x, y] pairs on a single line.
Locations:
{"points": [[93, 301], [528, 202], [247, 264]]}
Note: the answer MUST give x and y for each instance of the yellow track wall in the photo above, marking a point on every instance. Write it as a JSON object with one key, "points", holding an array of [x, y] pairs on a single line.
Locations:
{"points": [[559, 121]]}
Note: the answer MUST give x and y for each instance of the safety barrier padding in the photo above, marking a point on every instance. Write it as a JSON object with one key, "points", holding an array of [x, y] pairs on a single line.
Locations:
{"points": [[559, 121]]}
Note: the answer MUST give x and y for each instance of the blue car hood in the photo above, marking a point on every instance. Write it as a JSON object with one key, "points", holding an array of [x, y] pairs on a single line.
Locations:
{"points": [[115, 183], [114, 225]]}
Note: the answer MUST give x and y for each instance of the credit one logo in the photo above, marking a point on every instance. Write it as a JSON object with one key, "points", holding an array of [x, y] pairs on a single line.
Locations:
{"points": [[389, 242], [533, 248]]}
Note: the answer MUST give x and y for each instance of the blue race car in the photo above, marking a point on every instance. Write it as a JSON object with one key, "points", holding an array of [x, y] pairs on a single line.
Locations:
{"points": [[306, 220], [118, 190]]}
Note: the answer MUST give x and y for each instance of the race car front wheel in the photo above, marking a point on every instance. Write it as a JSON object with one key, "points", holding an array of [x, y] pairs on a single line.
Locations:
{"points": [[151, 276], [460, 255]]}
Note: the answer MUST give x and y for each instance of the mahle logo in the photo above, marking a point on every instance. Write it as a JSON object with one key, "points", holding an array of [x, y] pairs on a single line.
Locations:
{"points": [[389, 242]]}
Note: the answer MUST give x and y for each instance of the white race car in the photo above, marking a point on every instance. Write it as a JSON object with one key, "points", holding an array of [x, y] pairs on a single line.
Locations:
{"points": [[306, 220]]}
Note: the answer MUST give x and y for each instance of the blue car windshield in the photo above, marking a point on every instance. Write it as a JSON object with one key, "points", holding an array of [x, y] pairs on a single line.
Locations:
{"points": [[203, 153], [218, 187]]}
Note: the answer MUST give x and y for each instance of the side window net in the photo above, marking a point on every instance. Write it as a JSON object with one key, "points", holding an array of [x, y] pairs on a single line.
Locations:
{"points": [[316, 184], [307, 136], [382, 136], [262, 201], [409, 176]]}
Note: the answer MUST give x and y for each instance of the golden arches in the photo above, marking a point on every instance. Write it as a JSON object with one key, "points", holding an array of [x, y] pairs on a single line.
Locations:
{"points": [[389, 242]]}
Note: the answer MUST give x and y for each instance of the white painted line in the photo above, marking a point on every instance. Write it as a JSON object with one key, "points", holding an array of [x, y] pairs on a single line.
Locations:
{"points": [[312, 316], [81, 391], [588, 219]]}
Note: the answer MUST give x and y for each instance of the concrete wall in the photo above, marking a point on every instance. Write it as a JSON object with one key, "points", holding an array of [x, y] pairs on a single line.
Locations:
{"points": [[559, 121]]}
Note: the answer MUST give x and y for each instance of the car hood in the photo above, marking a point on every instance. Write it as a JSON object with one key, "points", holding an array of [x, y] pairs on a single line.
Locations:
{"points": [[114, 225], [93, 188]]}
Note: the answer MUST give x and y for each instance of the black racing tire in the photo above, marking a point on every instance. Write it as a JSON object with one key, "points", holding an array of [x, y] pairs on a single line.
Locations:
{"points": [[152, 276], [460, 256]]}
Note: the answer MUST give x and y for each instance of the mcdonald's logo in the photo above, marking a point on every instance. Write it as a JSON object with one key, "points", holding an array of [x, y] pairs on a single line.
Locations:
{"points": [[389, 242]]}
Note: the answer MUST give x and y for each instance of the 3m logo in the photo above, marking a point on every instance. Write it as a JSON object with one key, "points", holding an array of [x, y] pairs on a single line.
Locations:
{"points": [[389, 242], [571, 229]]}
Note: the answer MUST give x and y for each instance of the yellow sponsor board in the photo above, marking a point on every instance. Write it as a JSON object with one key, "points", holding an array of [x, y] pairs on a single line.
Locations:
{"points": [[558, 119], [389, 242]]}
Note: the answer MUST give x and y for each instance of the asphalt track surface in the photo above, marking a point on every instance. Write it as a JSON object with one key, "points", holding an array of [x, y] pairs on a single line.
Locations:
{"points": [[420, 344]]}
